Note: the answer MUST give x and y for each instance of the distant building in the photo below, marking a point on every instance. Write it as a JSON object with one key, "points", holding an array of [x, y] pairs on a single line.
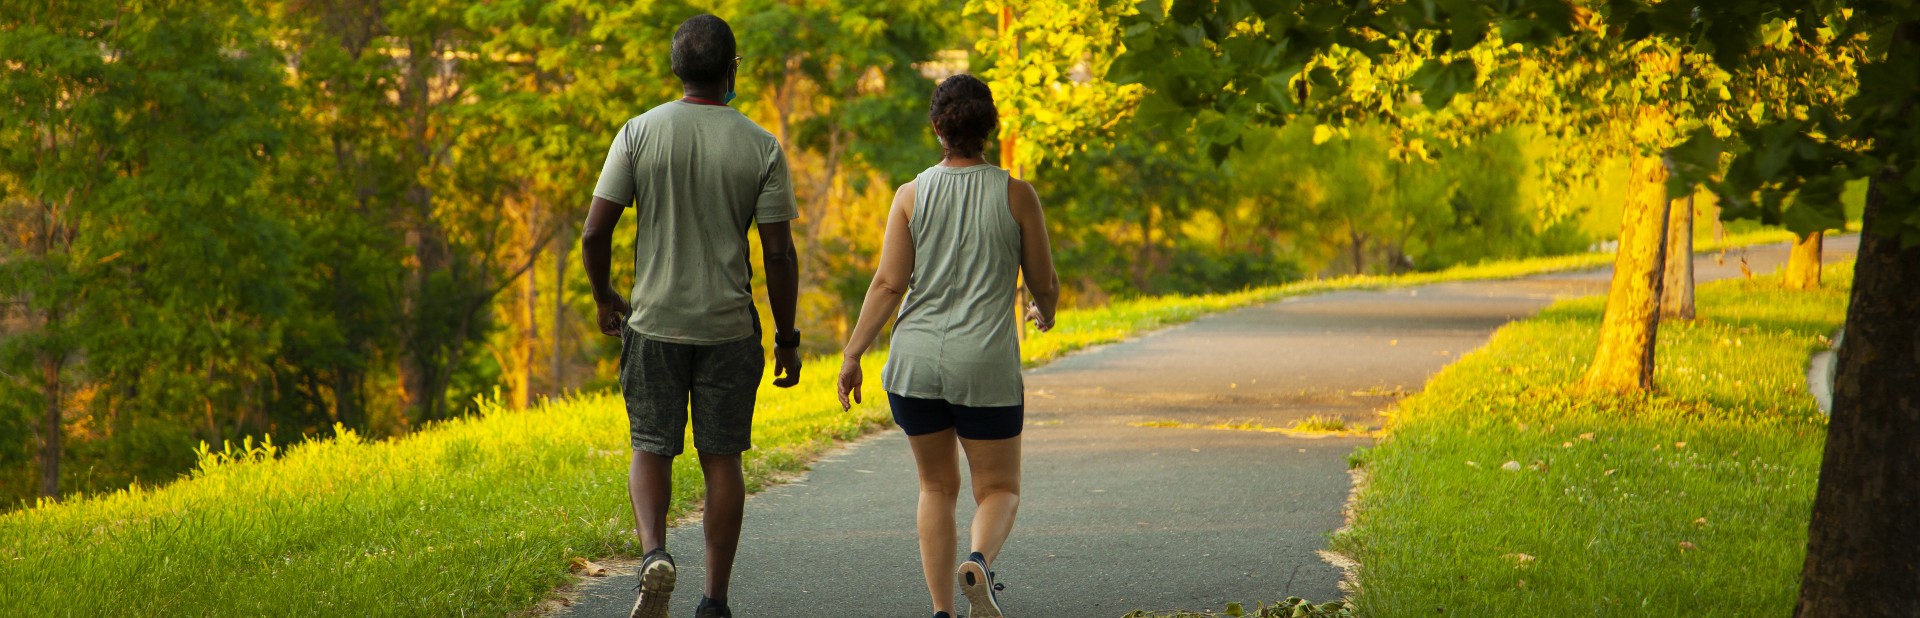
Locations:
{"points": [[945, 63]]}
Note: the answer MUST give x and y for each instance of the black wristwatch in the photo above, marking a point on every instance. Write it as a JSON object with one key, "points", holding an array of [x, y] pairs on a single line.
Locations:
{"points": [[786, 339]]}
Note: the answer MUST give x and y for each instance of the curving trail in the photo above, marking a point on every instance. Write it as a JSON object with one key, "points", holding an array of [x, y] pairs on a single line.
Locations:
{"points": [[1129, 501]]}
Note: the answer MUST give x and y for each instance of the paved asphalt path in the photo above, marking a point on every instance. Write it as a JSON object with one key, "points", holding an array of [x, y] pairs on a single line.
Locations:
{"points": [[1116, 516]]}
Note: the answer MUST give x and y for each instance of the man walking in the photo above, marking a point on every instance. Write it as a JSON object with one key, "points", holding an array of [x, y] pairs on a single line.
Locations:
{"points": [[697, 174]]}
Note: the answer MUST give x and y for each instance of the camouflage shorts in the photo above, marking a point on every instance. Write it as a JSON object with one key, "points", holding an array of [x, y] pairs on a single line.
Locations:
{"points": [[666, 383]]}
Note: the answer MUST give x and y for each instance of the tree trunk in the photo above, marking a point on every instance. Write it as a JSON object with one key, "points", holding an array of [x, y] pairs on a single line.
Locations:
{"points": [[50, 422], [529, 339], [1359, 245], [346, 397], [1676, 297], [1863, 546], [1624, 360], [1803, 264], [557, 358], [1143, 261]]}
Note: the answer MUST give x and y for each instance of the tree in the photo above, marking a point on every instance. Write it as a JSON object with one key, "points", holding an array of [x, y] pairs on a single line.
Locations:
{"points": [[1253, 68], [844, 87], [1055, 95], [1864, 549], [553, 97], [1791, 73], [1676, 291], [395, 87], [138, 248]]}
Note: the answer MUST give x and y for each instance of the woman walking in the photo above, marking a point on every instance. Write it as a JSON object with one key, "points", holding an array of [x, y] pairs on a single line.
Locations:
{"points": [[956, 238]]}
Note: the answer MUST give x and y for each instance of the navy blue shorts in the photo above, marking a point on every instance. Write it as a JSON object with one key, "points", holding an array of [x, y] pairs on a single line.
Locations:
{"points": [[919, 417]]}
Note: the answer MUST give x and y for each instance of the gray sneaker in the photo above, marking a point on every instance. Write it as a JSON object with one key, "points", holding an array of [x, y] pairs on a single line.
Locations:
{"points": [[976, 583], [656, 585]]}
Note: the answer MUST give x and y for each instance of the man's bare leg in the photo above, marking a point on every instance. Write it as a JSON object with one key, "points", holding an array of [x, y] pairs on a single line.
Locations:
{"points": [[726, 500], [650, 487]]}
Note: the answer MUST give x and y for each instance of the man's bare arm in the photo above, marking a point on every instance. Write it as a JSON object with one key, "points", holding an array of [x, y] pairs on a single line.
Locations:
{"points": [[783, 292], [596, 253]]}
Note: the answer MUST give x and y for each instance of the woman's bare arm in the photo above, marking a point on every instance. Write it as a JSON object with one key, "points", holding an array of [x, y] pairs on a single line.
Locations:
{"points": [[890, 280], [1036, 252]]}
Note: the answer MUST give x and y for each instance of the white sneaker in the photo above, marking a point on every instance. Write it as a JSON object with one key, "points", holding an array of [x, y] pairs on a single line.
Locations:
{"points": [[656, 585]]}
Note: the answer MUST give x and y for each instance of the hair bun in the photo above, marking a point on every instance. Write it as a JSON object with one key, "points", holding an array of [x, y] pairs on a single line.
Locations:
{"points": [[963, 114]]}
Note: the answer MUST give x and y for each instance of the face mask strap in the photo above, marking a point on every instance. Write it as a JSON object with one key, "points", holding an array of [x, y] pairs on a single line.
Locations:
{"points": [[731, 88]]}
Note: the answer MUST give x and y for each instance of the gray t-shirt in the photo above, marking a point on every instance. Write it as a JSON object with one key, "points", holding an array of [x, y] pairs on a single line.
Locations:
{"points": [[697, 177]]}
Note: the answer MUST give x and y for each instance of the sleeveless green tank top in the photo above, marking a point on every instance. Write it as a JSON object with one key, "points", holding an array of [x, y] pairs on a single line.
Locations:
{"points": [[957, 338]]}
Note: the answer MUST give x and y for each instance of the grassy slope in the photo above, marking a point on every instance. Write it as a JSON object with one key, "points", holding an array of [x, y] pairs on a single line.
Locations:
{"points": [[477, 515], [1692, 502]]}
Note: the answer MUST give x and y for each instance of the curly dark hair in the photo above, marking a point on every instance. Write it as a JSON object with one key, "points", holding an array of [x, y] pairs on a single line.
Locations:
{"points": [[703, 50], [963, 114]]}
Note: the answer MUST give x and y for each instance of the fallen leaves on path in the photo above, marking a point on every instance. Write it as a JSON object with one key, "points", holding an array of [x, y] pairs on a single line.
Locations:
{"points": [[588, 568]]}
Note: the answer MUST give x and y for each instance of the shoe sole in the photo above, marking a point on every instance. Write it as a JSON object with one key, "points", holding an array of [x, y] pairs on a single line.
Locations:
{"points": [[979, 591], [656, 587]]}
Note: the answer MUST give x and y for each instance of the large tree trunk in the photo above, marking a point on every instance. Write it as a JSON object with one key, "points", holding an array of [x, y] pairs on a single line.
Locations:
{"points": [[1676, 293], [1624, 361], [1803, 264], [50, 422], [1863, 546]]}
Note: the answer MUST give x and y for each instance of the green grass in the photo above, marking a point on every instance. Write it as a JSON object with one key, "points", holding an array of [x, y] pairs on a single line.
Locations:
{"points": [[1321, 423], [478, 515], [1693, 501]]}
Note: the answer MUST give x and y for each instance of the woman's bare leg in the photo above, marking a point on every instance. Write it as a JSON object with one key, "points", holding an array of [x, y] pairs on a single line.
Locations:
{"points": [[938, 461], [995, 467]]}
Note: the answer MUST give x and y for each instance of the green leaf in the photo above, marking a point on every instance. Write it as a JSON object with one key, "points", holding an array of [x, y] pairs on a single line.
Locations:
{"points": [[1693, 161], [1439, 82]]}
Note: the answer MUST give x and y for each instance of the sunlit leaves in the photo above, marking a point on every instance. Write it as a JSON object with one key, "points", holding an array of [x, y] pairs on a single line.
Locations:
{"points": [[1049, 73]]}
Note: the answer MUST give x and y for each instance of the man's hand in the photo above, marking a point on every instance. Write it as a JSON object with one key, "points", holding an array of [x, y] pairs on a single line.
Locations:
{"points": [[786, 366], [850, 378], [613, 314]]}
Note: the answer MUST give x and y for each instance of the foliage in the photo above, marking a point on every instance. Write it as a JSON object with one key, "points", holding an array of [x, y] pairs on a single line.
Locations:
{"points": [[1696, 496], [134, 239], [1049, 74], [366, 218]]}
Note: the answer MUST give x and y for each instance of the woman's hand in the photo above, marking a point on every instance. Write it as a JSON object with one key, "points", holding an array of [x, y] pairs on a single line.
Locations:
{"points": [[850, 378], [1039, 321]]}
